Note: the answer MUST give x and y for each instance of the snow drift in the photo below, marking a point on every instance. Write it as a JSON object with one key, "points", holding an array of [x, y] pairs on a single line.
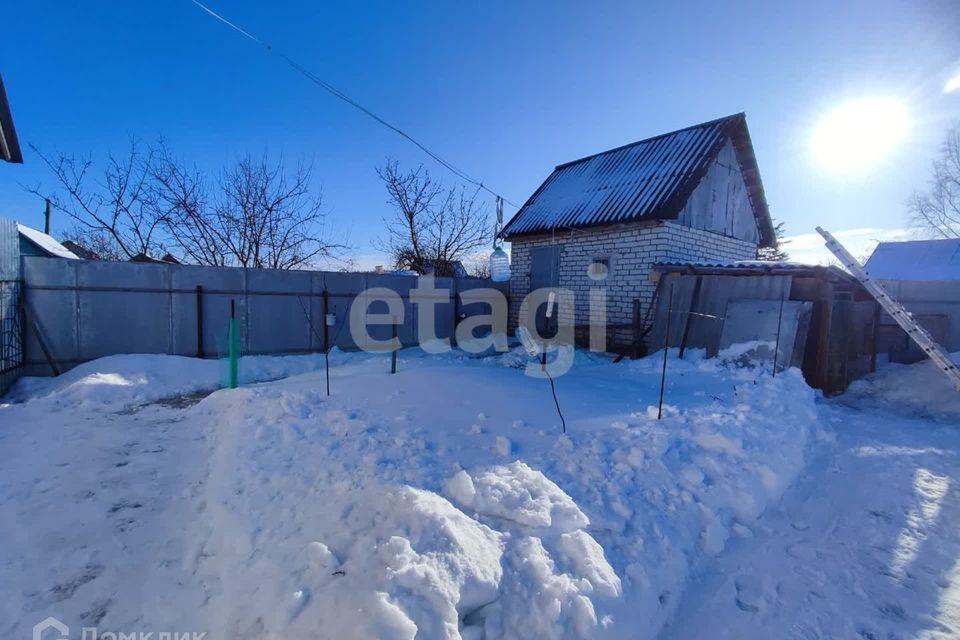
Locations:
{"points": [[441, 502], [429, 531]]}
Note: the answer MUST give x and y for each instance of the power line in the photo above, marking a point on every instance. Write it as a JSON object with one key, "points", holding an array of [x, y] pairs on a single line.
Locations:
{"points": [[326, 86]]}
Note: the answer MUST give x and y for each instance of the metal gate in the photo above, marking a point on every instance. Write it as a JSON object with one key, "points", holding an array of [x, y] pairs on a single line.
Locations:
{"points": [[11, 306]]}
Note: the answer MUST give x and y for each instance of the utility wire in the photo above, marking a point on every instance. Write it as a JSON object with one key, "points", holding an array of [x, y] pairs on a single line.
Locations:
{"points": [[326, 86]]}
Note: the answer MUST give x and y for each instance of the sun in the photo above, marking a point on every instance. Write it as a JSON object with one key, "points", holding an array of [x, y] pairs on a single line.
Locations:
{"points": [[859, 133]]}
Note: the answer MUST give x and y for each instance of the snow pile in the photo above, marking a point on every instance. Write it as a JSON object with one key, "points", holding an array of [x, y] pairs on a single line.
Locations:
{"points": [[554, 566], [426, 529], [440, 502], [919, 387], [139, 378]]}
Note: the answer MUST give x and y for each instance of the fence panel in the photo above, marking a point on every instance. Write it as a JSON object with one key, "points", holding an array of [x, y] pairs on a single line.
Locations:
{"points": [[11, 306], [89, 309]]}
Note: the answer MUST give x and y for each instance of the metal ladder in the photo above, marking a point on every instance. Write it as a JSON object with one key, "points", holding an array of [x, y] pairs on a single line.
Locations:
{"points": [[896, 310]]}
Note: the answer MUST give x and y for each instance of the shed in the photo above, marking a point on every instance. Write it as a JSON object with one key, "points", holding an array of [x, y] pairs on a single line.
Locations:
{"points": [[834, 316], [924, 276], [38, 243]]}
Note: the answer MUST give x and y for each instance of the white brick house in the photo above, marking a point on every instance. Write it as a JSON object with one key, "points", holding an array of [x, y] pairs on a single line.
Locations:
{"points": [[690, 195]]}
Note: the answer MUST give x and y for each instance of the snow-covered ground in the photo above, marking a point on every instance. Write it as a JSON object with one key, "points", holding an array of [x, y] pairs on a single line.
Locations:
{"points": [[867, 544], [444, 502]]}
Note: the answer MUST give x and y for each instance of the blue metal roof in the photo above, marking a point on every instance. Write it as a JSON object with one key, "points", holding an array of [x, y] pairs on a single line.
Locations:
{"points": [[916, 260], [647, 179]]}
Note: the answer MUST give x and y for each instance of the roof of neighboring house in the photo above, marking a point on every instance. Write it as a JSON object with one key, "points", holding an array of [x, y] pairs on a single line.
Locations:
{"points": [[9, 146], [450, 268], [79, 250], [916, 260], [649, 179], [164, 259], [45, 243]]}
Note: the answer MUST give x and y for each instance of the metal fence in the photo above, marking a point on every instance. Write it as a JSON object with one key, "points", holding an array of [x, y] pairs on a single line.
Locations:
{"points": [[11, 308], [85, 310], [11, 333]]}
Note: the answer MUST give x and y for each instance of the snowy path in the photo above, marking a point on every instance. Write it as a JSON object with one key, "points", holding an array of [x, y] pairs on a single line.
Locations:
{"points": [[865, 545], [97, 504]]}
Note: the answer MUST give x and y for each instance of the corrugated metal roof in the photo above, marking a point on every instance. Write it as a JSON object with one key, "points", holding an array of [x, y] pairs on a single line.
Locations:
{"points": [[9, 146], [647, 179], [916, 260], [45, 243], [754, 267]]}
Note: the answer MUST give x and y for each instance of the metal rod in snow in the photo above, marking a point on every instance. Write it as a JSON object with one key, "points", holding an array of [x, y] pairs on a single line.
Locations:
{"points": [[776, 345], [233, 346], [666, 349], [326, 336], [394, 346]]}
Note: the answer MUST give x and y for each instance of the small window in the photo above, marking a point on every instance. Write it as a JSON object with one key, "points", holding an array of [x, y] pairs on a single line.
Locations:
{"points": [[599, 268]]}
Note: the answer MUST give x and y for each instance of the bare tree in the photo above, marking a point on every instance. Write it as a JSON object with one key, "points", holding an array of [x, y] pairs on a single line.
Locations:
{"points": [[432, 227], [119, 205], [181, 194], [937, 212], [267, 217], [252, 214], [479, 268]]}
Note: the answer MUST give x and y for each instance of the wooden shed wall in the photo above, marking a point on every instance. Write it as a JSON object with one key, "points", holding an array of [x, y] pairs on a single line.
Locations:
{"points": [[715, 292], [839, 341], [720, 203]]}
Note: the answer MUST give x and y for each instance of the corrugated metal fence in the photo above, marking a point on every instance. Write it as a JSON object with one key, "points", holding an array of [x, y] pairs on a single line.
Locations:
{"points": [[87, 309], [11, 316]]}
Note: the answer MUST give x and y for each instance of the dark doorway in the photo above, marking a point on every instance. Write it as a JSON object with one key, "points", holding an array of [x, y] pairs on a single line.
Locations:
{"points": [[544, 272]]}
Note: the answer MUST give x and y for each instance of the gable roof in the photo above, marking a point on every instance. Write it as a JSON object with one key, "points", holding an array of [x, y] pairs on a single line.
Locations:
{"points": [[916, 260], [9, 146], [44, 243], [649, 179]]}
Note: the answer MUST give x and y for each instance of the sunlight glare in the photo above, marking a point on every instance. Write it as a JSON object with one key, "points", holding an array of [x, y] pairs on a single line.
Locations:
{"points": [[858, 133], [953, 84]]}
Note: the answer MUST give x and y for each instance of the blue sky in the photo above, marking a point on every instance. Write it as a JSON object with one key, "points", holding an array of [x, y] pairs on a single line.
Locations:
{"points": [[504, 90]]}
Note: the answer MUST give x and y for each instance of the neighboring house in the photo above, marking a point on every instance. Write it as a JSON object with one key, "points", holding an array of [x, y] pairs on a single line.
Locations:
{"points": [[923, 275], [80, 251], [164, 259], [604, 220], [38, 243], [444, 268]]}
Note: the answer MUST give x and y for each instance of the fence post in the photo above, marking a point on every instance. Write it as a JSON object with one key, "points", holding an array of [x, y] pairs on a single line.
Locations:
{"points": [[456, 312], [199, 321], [393, 352], [233, 340], [635, 343], [326, 336], [776, 344], [666, 349]]}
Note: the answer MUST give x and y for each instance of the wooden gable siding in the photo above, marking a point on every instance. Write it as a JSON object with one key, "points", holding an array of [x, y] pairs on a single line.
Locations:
{"points": [[720, 202]]}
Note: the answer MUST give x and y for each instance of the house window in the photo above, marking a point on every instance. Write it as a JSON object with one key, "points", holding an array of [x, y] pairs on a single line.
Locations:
{"points": [[599, 268]]}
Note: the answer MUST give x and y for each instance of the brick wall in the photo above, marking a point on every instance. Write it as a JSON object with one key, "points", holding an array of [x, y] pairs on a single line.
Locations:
{"points": [[631, 248]]}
